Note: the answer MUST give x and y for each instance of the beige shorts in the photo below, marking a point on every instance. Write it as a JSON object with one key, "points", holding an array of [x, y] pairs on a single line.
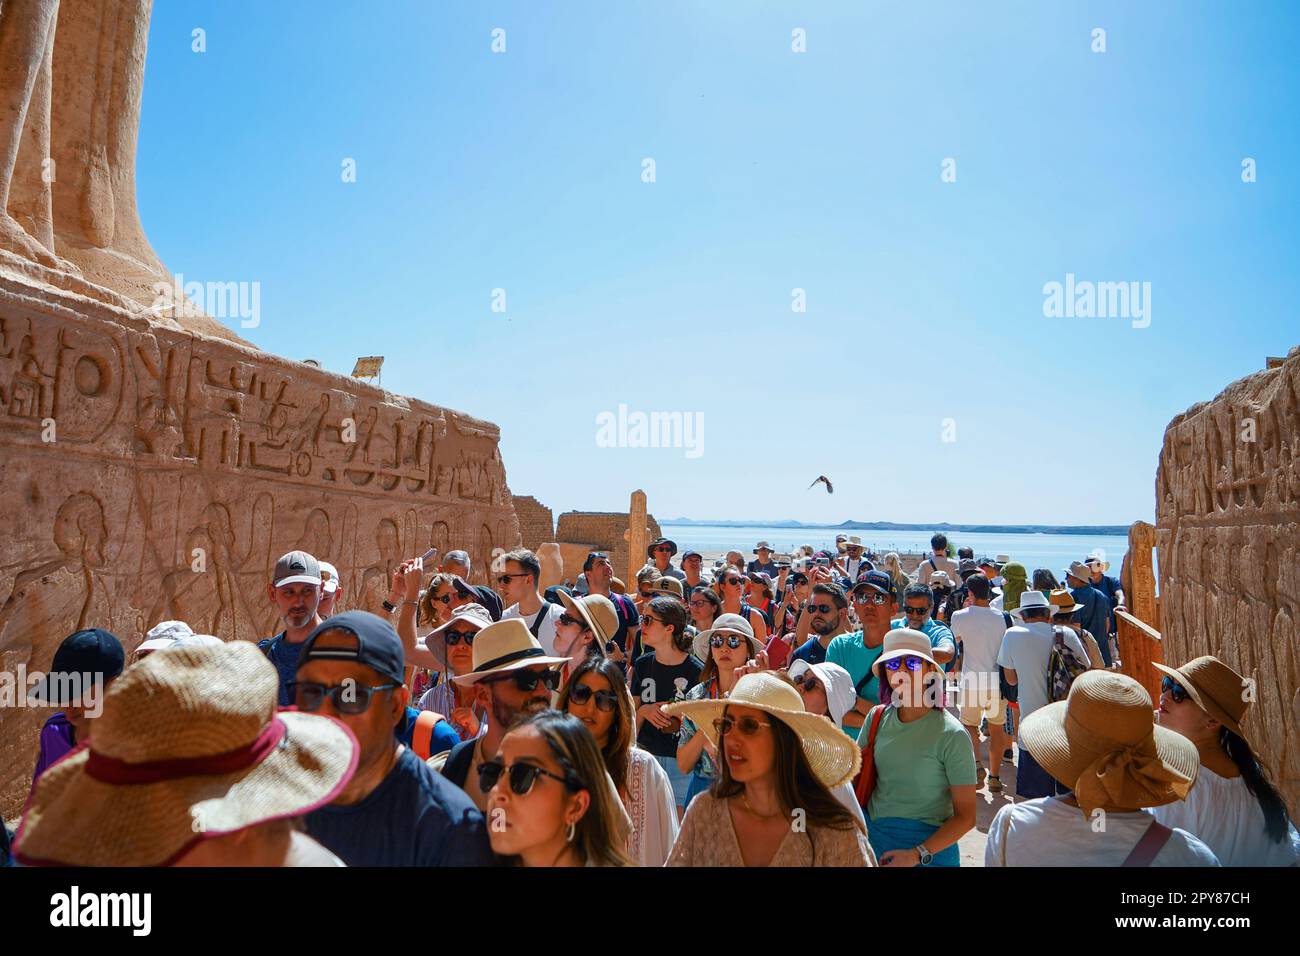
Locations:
{"points": [[978, 703]]}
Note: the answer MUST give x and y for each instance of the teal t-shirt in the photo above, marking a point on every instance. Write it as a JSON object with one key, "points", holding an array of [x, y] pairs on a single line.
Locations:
{"points": [[849, 652], [916, 763]]}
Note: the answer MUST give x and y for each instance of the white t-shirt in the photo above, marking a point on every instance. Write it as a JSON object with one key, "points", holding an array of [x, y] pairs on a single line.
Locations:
{"points": [[923, 570], [980, 631], [1050, 832], [1026, 649], [1228, 819], [546, 635]]}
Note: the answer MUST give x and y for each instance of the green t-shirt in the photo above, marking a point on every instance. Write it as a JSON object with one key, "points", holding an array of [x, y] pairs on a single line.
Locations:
{"points": [[916, 763], [849, 652]]}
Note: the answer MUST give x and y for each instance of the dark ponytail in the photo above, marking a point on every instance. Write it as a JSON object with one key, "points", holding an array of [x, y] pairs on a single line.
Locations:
{"points": [[1276, 818]]}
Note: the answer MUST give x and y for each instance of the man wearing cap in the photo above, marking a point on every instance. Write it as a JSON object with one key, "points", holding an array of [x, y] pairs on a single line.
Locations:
{"points": [[294, 591], [1106, 584], [85, 663], [331, 589], [1096, 612], [692, 566], [396, 810], [518, 583], [600, 574], [513, 675], [659, 556], [457, 563], [764, 563], [1024, 657], [918, 609], [161, 635], [875, 598]]}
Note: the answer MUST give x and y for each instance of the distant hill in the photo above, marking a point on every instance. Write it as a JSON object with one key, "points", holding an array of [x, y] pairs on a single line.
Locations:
{"points": [[1095, 529]]}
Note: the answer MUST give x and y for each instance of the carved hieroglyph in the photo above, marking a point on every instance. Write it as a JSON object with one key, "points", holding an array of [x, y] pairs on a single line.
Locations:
{"points": [[1228, 528]]}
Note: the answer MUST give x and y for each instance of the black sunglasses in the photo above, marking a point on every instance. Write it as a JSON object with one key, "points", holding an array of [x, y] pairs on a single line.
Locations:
{"points": [[731, 581], [732, 640], [605, 699], [521, 776], [915, 610], [567, 618], [809, 683], [452, 638], [820, 608], [527, 680], [647, 619], [1174, 689], [504, 579], [347, 698], [445, 599]]}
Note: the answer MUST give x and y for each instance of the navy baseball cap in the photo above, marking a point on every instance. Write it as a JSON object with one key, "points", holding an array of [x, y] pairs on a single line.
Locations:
{"points": [[688, 553], [378, 646], [878, 581], [94, 651]]}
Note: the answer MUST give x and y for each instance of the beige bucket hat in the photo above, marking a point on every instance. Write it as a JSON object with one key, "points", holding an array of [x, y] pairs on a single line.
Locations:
{"points": [[190, 746], [1215, 688], [725, 624], [833, 757]]}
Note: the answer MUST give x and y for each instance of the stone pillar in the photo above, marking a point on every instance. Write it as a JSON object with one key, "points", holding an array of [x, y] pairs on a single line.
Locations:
{"points": [[637, 538]]}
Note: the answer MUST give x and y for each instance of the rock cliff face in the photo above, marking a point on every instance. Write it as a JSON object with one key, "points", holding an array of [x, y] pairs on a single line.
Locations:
{"points": [[1228, 530]]}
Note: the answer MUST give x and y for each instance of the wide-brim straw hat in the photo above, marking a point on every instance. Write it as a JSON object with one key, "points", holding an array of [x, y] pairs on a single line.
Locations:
{"points": [[904, 642], [189, 747], [436, 640], [597, 612], [1104, 744], [726, 624], [832, 756], [504, 646], [1215, 688], [1061, 600]]}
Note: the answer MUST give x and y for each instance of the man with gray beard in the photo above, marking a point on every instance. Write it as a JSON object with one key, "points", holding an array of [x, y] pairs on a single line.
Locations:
{"points": [[294, 590]]}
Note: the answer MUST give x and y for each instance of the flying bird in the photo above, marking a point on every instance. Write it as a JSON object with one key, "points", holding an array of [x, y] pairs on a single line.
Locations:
{"points": [[830, 490]]}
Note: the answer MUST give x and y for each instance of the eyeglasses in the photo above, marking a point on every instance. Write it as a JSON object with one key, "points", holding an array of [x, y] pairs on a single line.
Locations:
{"points": [[820, 608], [647, 619], [1174, 689], [700, 603], [347, 698], [913, 663], [869, 597], [504, 579], [606, 700], [732, 640], [527, 680], [452, 638], [907, 609], [521, 776], [746, 725]]}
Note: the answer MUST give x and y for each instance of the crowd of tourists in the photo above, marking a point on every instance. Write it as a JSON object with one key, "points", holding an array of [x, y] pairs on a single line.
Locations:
{"points": [[819, 708]]}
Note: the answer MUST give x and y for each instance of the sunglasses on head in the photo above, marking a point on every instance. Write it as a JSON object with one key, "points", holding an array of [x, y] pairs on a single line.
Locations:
{"points": [[746, 725], [731, 640], [1174, 689], [869, 597], [521, 776], [913, 663], [821, 608], [347, 698], [527, 680], [452, 638], [606, 700]]}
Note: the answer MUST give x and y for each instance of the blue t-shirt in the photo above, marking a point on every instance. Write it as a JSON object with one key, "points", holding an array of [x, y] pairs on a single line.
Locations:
{"points": [[854, 656], [1095, 616], [811, 651], [415, 817], [442, 738], [940, 636], [284, 656]]}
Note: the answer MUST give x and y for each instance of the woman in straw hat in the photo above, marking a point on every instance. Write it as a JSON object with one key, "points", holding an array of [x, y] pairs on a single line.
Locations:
{"points": [[598, 696], [1102, 743], [452, 646], [586, 627], [549, 798], [724, 648], [191, 764], [924, 797], [1233, 807], [771, 804]]}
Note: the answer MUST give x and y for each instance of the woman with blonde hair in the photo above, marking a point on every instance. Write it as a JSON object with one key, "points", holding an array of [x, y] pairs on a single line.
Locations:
{"points": [[894, 568]]}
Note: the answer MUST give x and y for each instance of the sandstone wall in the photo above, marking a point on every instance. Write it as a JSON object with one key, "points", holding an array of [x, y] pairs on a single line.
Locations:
{"points": [[1228, 532], [605, 530], [149, 473], [536, 525]]}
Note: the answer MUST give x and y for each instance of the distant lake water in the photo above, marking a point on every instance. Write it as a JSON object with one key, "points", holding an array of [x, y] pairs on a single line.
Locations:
{"points": [[1053, 551]]}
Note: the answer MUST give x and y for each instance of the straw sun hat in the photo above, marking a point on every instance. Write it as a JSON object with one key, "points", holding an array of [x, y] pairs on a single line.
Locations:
{"points": [[189, 747], [832, 756], [1215, 688], [1103, 743]]}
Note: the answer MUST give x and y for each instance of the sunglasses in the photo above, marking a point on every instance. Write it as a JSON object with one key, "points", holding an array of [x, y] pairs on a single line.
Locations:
{"points": [[347, 698], [452, 638], [504, 579], [869, 597], [445, 599], [605, 699], [820, 608], [527, 680], [913, 663], [746, 725], [521, 776], [663, 550], [732, 640], [732, 582], [809, 684], [1175, 690], [647, 619], [566, 618], [915, 610]]}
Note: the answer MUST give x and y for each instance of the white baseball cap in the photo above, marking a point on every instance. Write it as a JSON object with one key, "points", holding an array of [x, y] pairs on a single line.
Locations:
{"points": [[329, 577]]}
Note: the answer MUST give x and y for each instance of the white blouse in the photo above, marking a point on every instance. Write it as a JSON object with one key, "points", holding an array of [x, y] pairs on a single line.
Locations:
{"points": [[652, 807], [1227, 818]]}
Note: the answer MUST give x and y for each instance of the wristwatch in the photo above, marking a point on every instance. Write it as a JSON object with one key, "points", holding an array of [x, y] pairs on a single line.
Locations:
{"points": [[390, 608], [926, 855]]}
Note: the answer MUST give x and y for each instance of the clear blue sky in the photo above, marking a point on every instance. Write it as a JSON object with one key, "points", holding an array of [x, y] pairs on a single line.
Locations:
{"points": [[775, 170]]}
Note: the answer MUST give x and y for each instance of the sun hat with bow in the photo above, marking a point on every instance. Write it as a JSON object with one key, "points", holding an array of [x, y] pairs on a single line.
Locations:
{"points": [[1104, 744], [436, 640], [833, 758], [904, 642], [1215, 688], [504, 646], [726, 624], [190, 746]]}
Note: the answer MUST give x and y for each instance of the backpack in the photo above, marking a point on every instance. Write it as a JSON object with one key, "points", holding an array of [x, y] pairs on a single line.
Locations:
{"points": [[1063, 666]]}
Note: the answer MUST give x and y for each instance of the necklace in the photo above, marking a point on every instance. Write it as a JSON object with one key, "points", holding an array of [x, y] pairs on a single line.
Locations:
{"points": [[762, 816]]}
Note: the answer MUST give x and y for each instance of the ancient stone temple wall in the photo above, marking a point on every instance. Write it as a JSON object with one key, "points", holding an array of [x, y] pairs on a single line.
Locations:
{"points": [[604, 530], [149, 473], [1228, 532], [536, 526]]}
